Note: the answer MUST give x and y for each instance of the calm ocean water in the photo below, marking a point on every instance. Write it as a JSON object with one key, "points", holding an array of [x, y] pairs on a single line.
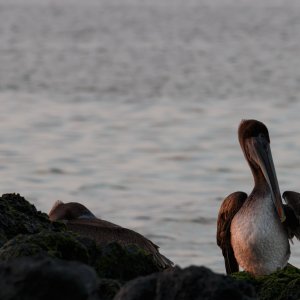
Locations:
{"points": [[132, 107]]}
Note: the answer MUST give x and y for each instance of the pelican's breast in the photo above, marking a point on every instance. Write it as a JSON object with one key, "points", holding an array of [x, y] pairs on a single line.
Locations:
{"points": [[259, 241]]}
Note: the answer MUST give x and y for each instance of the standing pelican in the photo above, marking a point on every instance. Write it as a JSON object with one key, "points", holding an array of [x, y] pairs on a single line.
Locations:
{"points": [[253, 231], [81, 220]]}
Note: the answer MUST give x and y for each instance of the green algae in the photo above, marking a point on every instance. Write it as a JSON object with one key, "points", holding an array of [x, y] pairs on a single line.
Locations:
{"points": [[280, 285], [124, 262], [18, 216], [63, 245]]}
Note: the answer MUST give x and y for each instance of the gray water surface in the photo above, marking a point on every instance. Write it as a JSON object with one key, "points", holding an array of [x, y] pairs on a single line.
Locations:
{"points": [[131, 107]]}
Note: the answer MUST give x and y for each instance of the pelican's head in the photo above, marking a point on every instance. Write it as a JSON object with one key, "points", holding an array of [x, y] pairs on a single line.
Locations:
{"points": [[69, 211], [255, 142]]}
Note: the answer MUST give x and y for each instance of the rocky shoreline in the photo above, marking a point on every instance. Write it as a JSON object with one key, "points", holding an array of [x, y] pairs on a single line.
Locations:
{"points": [[42, 260]]}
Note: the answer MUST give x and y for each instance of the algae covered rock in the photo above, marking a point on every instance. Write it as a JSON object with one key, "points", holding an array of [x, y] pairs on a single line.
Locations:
{"points": [[191, 283], [124, 262], [63, 245], [280, 285], [45, 278], [110, 261], [18, 216]]}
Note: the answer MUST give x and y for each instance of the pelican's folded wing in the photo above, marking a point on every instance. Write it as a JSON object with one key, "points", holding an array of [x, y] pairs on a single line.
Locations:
{"points": [[292, 212], [228, 209]]}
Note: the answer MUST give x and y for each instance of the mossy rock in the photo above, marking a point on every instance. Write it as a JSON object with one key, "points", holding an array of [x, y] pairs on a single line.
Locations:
{"points": [[111, 261], [124, 262], [18, 216], [63, 245], [280, 285]]}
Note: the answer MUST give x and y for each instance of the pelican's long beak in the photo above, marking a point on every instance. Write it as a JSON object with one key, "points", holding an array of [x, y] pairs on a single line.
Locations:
{"points": [[260, 152]]}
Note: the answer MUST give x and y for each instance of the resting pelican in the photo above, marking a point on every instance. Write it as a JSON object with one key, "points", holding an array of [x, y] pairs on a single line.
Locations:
{"points": [[81, 220], [253, 231]]}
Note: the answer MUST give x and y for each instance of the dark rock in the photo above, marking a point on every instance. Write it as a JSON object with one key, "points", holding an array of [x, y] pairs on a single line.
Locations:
{"points": [[18, 216], [108, 288], [35, 278], [191, 283], [281, 285]]}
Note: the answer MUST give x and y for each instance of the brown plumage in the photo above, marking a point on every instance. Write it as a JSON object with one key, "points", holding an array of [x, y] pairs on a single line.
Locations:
{"points": [[293, 200], [292, 211], [229, 208], [80, 220]]}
